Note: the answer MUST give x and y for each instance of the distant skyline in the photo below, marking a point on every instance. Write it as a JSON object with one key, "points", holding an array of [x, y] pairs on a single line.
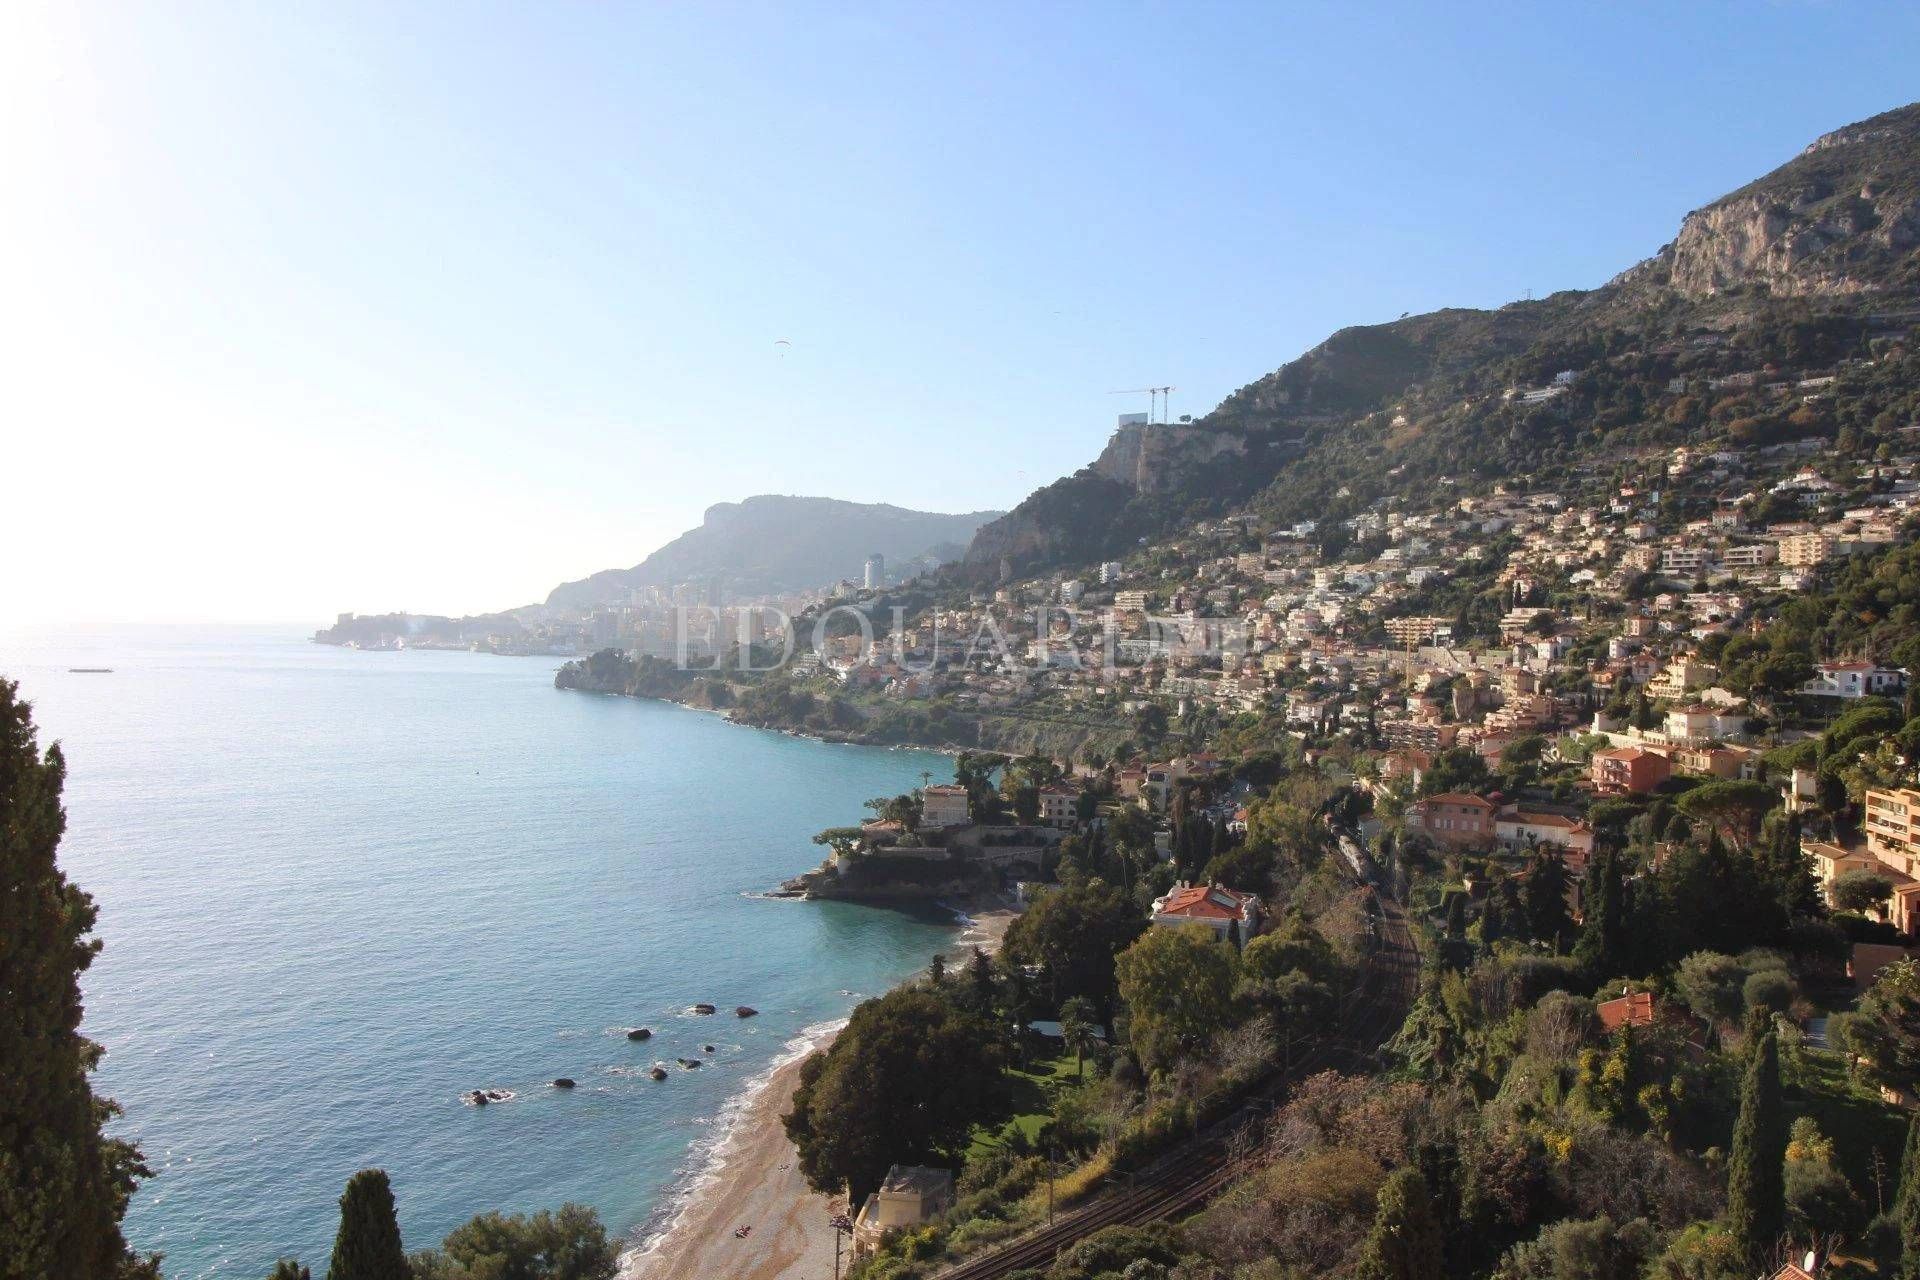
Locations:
{"points": [[432, 307]]}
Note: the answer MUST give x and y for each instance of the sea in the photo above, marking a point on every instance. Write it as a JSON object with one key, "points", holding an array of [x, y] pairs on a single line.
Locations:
{"points": [[339, 890]]}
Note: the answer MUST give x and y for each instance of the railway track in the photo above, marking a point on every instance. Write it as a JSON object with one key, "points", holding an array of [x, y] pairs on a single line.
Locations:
{"points": [[1190, 1177]]}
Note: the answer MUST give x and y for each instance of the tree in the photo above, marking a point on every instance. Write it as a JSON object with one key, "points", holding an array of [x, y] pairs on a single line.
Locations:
{"points": [[1732, 806], [64, 1186], [980, 985], [1603, 943], [567, 1244], [1077, 1018], [1756, 1194], [1820, 1202], [289, 1269], [1884, 1030], [1861, 890], [1906, 1205], [1073, 934], [904, 1083], [367, 1246], [1178, 987], [1544, 897], [1405, 1243], [1711, 984]]}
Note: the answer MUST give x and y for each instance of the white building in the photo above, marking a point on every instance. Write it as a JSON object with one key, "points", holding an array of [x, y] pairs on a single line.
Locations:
{"points": [[1853, 680], [943, 806]]}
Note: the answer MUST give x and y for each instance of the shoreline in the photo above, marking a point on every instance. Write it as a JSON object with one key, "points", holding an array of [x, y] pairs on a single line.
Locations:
{"points": [[751, 1177]]}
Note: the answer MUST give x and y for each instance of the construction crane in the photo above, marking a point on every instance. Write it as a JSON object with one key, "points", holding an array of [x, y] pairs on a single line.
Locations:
{"points": [[1157, 400]]}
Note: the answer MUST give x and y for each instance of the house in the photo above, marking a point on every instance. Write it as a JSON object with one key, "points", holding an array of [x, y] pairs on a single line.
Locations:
{"points": [[908, 1196], [1211, 905], [1517, 828], [1680, 675], [1629, 770], [1635, 1009], [1831, 861], [1060, 806], [943, 806], [1853, 680], [1701, 723], [1453, 818]]}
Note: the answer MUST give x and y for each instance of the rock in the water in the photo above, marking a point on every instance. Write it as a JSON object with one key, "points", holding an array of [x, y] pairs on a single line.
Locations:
{"points": [[746, 1011], [658, 1073], [706, 1048], [639, 1033], [703, 1009], [690, 1064], [564, 1082], [478, 1098]]}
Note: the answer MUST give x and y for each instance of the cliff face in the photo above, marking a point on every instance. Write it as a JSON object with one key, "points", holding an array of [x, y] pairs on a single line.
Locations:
{"points": [[1840, 219], [1152, 457]]}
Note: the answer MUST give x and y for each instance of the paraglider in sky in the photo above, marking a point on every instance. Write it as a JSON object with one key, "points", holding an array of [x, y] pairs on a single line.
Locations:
{"points": [[781, 345]]}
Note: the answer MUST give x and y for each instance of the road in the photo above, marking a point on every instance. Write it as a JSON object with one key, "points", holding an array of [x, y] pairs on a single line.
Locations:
{"points": [[1190, 1176]]}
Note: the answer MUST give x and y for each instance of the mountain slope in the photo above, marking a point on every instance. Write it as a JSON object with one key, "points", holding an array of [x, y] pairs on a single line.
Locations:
{"points": [[1836, 230], [774, 543]]}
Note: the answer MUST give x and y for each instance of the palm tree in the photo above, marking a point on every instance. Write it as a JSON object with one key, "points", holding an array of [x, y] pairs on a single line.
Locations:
{"points": [[1077, 1020]]}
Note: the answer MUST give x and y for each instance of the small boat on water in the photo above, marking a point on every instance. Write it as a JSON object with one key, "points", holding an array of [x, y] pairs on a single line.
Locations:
{"points": [[90, 671]]}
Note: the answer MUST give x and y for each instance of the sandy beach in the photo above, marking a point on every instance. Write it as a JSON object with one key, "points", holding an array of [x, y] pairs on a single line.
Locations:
{"points": [[755, 1181]]}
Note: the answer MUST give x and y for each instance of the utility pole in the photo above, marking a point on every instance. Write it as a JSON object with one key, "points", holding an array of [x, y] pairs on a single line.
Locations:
{"points": [[842, 1225], [1049, 1187]]}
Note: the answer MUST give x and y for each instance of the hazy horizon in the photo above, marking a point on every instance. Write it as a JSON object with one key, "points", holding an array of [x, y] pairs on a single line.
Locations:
{"points": [[368, 309]]}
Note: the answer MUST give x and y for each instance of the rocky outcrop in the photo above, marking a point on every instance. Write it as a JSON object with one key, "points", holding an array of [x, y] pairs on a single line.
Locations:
{"points": [[1840, 219]]}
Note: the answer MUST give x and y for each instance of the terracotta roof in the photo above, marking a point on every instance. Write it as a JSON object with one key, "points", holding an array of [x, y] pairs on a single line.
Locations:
{"points": [[1204, 902], [1546, 820], [1635, 1009], [1458, 797]]}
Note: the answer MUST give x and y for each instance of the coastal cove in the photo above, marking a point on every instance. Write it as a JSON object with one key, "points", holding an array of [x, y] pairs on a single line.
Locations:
{"points": [[338, 889]]}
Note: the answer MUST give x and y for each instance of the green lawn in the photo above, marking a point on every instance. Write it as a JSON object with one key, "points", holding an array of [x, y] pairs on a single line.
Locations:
{"points": [[1031, 1105]]}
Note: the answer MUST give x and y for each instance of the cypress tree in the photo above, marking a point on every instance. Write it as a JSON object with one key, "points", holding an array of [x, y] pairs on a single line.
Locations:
{"points": [[288, 1269], [1906, 1205], [63, 1186], [1756, 1190], [1545, 893], [1601, 941], [368, 1245], [1406, 1242]]}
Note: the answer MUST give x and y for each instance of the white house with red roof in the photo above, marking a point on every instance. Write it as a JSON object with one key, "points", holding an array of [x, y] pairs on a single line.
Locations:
{"points": [[1853, 680], [1213, 905]]}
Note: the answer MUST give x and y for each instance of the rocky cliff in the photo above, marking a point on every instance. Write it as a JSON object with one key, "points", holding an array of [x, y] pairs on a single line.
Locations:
{"points": [[1841, 218]]}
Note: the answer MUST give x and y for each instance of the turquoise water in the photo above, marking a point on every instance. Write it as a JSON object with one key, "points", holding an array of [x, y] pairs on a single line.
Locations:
{"points": [[338, 889]]}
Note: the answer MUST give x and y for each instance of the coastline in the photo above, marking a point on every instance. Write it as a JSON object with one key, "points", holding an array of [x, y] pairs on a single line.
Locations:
{"points": [[752, 1177]]}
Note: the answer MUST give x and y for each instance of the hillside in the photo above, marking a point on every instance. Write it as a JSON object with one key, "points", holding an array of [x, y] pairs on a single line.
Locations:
{"points": [[774, 543], [1831, 237]]}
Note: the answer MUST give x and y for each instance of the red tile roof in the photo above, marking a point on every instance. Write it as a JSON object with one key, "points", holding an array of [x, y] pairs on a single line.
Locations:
{"points": [[1205, 902], [1459, 797], [1635, 1009]]}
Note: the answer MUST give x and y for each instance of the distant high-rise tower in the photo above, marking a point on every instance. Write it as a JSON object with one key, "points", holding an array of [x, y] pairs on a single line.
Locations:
{"points": [[876, 574]]}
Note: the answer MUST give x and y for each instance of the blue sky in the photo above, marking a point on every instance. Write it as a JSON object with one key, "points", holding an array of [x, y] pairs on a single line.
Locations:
{"points": [[431, 306]]}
